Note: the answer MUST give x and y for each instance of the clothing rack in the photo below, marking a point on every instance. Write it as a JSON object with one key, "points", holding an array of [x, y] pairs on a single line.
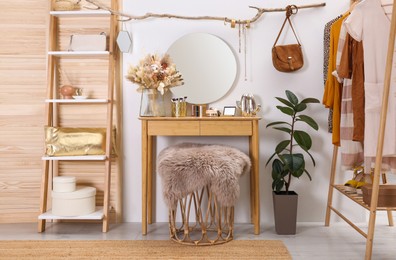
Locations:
{"points": [[375, 191]]}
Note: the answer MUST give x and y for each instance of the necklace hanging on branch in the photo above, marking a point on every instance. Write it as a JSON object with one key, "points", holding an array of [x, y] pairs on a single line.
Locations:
{"points": [[245, 31]]}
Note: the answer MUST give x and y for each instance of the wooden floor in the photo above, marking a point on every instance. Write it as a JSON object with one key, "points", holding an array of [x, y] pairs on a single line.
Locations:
{"points": [[312, 241]]}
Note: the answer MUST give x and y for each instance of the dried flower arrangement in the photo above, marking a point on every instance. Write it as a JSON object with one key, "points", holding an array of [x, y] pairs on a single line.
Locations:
{"points": [[154, 72]]}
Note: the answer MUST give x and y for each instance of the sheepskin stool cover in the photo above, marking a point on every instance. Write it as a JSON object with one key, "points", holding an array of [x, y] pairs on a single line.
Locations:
{"points": [[204, 181]]}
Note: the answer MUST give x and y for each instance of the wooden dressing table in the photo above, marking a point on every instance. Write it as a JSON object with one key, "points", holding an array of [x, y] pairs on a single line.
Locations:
{"points": [[198, 126]]}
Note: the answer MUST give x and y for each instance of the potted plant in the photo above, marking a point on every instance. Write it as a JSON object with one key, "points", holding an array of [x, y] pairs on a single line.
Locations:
{"points": [[288, 160]]}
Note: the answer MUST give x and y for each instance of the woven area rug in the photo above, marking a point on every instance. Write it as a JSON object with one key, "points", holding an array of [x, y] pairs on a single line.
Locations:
{"points": [[140, 249]]}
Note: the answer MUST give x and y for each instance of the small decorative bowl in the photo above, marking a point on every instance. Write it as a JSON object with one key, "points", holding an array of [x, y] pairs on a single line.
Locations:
{"points": [[80, 97]]}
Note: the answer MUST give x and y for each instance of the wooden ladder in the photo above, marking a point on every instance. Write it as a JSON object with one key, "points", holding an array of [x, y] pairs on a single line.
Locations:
{"points": [[61, 112]]}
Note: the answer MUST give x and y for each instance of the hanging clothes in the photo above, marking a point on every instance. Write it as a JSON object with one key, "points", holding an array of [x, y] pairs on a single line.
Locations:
{"points": [[369, 23], [326, 54], [351, 151], [332, 93], [352, 64]]}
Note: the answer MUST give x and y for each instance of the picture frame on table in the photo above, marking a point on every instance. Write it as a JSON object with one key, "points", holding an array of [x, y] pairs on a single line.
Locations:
{"points": [[229, 111]]}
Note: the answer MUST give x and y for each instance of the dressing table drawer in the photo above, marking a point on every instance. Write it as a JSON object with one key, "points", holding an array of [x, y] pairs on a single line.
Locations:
{"points": [[170, 128], [224, 128]]}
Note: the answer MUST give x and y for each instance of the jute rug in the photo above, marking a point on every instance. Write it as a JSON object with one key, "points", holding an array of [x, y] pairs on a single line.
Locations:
{"points": [[140, 249]]}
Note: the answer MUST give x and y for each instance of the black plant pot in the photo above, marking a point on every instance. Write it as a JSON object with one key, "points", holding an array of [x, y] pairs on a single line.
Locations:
{"points": [[285, 212]]}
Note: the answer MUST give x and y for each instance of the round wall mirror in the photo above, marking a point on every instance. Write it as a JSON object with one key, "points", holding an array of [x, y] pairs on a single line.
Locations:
{"points": [[207, 65]]}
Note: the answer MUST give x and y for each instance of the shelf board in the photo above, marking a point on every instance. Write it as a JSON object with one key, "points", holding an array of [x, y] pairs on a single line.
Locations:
{"points": [[80, 54], [93, 13], [75, 158], [88, 100], [358, 198], [97, 215]]}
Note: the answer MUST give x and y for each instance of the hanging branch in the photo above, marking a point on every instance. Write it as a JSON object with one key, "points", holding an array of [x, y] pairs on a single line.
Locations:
{"points": [[260, 12]]}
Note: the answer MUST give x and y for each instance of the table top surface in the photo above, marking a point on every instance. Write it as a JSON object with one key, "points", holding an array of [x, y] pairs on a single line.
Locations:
{"points": [[205, 118]]}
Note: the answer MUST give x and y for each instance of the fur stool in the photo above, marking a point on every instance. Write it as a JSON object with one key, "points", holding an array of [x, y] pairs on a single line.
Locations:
{"points": [[204, 181]]}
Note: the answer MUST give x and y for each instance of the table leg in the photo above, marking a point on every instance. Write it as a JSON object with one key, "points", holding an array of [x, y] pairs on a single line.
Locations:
{"points": [[150, 150], [144, 176], [255, 180]]}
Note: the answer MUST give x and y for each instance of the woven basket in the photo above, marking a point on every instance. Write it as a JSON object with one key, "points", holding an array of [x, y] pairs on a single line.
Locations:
{"points": [[66, 5]]}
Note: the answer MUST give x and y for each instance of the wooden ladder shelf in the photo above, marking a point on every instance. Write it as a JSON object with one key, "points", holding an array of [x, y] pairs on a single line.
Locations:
{"points": [[95, 111]]}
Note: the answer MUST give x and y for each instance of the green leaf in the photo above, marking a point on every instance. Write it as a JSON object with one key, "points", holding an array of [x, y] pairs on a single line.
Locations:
{"points": [[284, 173], [283, 129], [291, 97], [303, 139], [310, 155], [309, 175], [277, 123], [300, 172], [309, 120], [286, 110], [301, 107], [278, 184], [272, 156], [310, 100], [282, 146], [277, 169], [293, 162], [284, 101]]}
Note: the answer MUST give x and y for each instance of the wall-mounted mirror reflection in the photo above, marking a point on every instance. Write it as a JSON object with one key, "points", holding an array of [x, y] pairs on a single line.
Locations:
{"points": [[208, 67]]}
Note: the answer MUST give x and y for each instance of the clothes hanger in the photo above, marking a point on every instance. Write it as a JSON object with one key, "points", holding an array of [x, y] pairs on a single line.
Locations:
{"points": [[353, 5], [387, 6], [386, 2]]}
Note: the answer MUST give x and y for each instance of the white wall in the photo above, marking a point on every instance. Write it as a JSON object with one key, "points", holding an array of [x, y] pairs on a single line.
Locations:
{"points": [[156, 35]]}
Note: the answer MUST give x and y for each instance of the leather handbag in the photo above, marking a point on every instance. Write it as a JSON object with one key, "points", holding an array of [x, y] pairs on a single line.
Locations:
{"points": [[287, 58]]}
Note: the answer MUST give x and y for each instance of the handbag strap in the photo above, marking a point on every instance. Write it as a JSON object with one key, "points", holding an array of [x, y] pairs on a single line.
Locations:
{"points": [[289, 12]]}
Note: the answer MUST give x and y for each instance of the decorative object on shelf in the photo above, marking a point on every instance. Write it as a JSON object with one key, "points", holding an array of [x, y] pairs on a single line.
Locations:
{"points": [[386, 195], [289, 161], [91, 42], [68, 141], [67, 91], [154, 75], [66, 5], [151, 103], [78, 202], [79, 94], [179, 107], [198, 110], [287, 58], [213, 112], [64, 184], [229, 111], [124, 40], [248, 105]]}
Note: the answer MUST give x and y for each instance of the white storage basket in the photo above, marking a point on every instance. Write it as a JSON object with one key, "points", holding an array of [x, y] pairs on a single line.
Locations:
{"points": [[77, 203], [64, 184]]}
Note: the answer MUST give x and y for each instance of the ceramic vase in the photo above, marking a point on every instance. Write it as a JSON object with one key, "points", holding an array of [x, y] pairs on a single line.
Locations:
{"points": [[67, 91]]}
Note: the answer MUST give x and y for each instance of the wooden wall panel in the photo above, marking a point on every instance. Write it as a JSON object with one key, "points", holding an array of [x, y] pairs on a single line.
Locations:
{"points": [[22, 94], [22, 90]]}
